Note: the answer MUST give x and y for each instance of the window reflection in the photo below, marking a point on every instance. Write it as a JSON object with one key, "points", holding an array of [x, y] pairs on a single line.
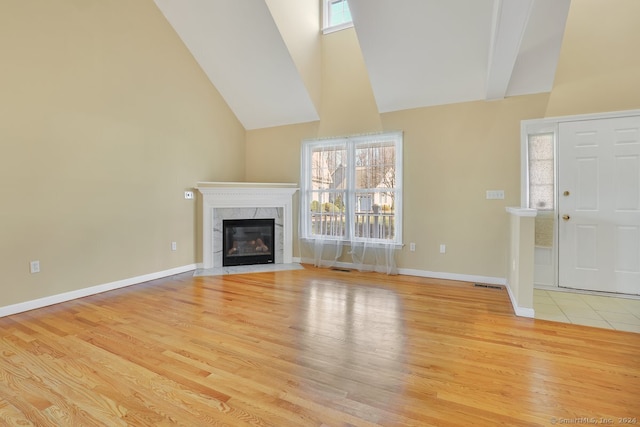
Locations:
{"points": [[352, 334]]}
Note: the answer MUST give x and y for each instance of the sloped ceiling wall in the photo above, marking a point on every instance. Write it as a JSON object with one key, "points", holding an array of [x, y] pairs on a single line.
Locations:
{"points": [[239, 47], [417, 52]]}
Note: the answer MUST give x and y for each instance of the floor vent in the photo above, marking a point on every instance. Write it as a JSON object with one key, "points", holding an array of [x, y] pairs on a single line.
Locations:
{"points": [[482, 285], [344, 270]]}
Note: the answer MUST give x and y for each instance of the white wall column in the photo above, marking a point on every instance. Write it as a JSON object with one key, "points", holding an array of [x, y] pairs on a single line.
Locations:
{"points": [[521, 256]]}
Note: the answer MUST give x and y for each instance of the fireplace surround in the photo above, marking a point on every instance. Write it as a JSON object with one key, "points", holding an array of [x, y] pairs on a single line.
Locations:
{"points": [[241, 200]]}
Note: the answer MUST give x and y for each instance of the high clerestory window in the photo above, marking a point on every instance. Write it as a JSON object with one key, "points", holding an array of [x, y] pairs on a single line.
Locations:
{"points": [[336, 15]]}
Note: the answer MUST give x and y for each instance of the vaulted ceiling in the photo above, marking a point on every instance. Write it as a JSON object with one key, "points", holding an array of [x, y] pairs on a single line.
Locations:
{"points": [[417, 52]]}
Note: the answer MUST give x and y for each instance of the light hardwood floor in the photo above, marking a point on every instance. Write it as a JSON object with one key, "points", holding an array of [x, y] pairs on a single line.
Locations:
{"points": [[309, 348]]}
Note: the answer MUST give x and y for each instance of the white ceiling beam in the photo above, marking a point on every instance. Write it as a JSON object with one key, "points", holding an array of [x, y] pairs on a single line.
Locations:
{"points": [[510, 18]]}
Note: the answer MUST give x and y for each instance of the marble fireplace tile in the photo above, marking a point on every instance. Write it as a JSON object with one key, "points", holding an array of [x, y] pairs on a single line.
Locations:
{"points": [[220, 214]]}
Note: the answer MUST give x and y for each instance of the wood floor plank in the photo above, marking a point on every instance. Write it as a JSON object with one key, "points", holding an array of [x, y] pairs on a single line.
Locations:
{"points": [[310, 347]]}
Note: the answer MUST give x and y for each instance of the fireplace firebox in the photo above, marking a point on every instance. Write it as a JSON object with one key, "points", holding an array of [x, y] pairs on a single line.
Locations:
{"points": [[247, 241]]}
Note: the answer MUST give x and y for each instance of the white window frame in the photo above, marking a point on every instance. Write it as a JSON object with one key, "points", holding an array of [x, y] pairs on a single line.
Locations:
{"points": [[326, 18], [529, 129], [351, 143]]}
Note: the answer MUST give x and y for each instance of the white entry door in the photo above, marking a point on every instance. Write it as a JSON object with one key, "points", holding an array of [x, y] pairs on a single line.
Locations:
{"points": [[599, 205]]}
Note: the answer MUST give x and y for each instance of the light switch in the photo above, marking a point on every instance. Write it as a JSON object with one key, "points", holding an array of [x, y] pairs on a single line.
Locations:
{"points": [[495, 194]]}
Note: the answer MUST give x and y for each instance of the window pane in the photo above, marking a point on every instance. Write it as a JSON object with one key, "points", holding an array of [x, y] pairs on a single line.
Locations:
{"points": [[541, 172], [375, 165], [339, 12], [375, 215], [541, 147], [328, 165], [541, 197], [328, 214]]}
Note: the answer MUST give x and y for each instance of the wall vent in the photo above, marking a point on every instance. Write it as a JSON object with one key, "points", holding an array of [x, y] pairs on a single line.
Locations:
{"points": [[482, 285]]}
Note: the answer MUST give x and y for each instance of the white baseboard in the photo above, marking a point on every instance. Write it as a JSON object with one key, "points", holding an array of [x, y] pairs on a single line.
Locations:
{"points": [[422, 273], [454, 276], [520, 311], [80, 293]]}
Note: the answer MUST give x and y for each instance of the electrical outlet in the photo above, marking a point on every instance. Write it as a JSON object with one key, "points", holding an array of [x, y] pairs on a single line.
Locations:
{"points": [[443, 249], [412, 247], [34, 266], [188, 195], [174, 246]]}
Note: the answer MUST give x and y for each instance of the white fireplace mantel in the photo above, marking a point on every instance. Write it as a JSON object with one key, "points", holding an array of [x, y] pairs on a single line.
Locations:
{"points": [[219, 195]]}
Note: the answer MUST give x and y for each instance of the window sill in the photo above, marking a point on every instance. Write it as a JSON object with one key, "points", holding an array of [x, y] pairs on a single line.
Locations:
{"points": [[329, 30]]}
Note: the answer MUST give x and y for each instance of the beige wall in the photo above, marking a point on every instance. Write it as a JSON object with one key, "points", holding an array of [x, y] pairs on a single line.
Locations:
{"points": [[348, 104], [454, 153], [105, 120], [599, 66], [302, 39]]}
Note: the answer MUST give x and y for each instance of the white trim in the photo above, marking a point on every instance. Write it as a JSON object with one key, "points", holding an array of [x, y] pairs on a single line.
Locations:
{"points": [[525, 212], [205, 185], [520, 311], [501, 281], [541, 128], [578, 117], [339, 27], [80, 293]]}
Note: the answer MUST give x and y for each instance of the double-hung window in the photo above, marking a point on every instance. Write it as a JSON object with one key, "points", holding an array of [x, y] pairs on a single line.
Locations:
{"points": [[352, 189]]}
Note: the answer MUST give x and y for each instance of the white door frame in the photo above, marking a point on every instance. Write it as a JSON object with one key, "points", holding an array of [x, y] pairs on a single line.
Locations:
{"points": [[551, 125]]}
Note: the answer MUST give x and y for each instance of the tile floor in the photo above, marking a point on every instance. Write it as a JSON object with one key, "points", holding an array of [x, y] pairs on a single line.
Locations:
{"points": [[586, 309]]}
